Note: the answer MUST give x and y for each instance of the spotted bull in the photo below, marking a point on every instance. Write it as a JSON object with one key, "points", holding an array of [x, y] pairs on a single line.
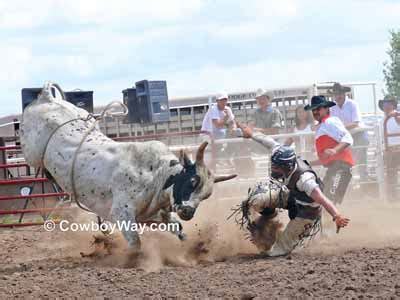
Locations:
{"points": [[136, 182]]}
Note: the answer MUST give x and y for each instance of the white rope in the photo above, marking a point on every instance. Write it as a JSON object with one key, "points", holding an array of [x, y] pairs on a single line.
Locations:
{"points": [[72, 173], [104, 112]]}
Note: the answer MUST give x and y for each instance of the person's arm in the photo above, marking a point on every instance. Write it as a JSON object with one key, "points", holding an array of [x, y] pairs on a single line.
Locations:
{"points": [[353, 125], [355, 116], [307, 183], [337, 149], [252, 124], [320, 198], [396, 116], [276, 119], [231, 118], [338, 132], [218, 123], [267, 130], [264, 140], [288, 141]]}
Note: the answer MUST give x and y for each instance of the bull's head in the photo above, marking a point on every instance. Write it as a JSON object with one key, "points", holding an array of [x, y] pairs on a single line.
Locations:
{"points": [[194, 184]]}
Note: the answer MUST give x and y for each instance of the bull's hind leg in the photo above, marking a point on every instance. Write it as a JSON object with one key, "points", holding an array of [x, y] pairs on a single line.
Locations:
{"points": [[102, 243]]}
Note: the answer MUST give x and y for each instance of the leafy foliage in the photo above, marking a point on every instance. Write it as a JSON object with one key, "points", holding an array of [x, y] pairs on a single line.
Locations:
{"points": [[391, 69]]}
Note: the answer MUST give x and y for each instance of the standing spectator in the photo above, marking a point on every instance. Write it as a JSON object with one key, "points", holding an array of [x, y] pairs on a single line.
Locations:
{"points": [[267, 119], [304, 123], [348, 112], [332, 141], [219, 118], [392, 159]]}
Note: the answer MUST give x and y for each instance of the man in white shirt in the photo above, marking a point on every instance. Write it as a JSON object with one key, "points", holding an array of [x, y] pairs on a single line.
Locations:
{"points": [[218, 118], [392, 157], [348, 112], [219, 122]]}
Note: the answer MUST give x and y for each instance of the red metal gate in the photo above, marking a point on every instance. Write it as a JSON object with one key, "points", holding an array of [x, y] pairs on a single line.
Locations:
{"points": [[19, 187]]}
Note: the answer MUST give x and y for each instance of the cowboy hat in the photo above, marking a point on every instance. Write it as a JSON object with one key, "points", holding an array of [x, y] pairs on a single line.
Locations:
{"points": [[317, 102], [337, 88], [387, 99], [261, 93]]}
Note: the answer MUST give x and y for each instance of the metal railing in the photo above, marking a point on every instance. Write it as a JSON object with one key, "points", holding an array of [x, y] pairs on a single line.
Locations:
{"points": [[40, 196], [259, 158], [246, 154]]}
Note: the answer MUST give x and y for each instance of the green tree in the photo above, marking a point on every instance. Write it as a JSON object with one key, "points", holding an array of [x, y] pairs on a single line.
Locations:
{"points": [[391, 69]]}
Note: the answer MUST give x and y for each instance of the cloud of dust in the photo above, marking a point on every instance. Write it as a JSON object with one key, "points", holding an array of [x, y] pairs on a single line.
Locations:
{"points": [[373, 225], [211, 237]]}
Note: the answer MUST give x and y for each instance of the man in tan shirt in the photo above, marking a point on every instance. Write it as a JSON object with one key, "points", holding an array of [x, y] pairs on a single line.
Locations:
{"points": [[267, 119]]}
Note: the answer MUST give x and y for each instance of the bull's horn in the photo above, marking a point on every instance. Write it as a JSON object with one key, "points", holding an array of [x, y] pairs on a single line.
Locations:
{"points": [[224, 178], [200, 153]]}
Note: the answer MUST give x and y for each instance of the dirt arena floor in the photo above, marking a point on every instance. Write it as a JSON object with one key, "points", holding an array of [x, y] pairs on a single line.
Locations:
{"points": [[362, 261]]}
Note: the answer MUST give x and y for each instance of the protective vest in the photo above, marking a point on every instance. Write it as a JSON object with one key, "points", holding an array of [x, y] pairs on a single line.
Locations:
{"points": [[295, 208]]}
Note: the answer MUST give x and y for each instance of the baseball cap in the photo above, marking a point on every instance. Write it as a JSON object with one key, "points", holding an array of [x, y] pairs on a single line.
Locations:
{"points": [[222, 96]]}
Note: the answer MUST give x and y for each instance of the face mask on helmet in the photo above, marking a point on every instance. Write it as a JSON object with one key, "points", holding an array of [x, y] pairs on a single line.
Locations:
{"points": [[280, 172], [276, 175], [283, 161], [276, 172]]}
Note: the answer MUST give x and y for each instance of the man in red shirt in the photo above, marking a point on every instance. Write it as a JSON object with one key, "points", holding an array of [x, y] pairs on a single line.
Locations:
{"points": [[332, 141]]}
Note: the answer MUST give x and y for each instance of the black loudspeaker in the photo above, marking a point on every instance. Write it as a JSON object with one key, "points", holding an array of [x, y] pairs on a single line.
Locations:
{"points": [[81, 99], [152, 101], [29, 95], [131, 102]]}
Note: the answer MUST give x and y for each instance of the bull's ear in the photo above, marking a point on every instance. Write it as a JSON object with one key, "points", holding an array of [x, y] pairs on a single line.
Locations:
{"points": [[184, 159]]}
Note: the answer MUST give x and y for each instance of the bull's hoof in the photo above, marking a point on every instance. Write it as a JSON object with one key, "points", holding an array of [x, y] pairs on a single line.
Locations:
{"points": [[103, 245], [133, 258], [90, 255], [182, 236]]}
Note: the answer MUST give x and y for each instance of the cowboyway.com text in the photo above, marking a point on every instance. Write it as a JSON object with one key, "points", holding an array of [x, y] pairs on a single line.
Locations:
{"points": [[140, 228]]}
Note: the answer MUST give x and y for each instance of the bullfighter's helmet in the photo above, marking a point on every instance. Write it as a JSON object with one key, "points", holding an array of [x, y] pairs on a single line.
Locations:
{"points": [[283, 157]]}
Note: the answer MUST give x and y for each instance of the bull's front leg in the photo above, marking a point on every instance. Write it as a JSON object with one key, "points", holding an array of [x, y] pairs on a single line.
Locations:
{"points": [[175, 227]]}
